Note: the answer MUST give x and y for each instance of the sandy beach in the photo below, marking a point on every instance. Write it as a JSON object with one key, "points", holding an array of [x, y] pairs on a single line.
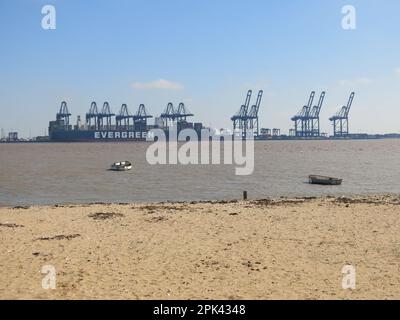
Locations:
{"points": [[256, 249]]}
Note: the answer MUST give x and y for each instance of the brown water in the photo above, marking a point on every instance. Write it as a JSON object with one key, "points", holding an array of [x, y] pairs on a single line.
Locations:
{"points": [[51, 173]]}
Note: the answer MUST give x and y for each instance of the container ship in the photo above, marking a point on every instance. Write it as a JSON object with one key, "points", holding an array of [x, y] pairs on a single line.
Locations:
{"points": [[99, 124]]}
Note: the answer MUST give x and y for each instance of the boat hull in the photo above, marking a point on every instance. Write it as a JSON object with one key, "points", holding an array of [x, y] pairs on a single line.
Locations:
{"points": [[322, 180], [121, 169], [59, 135]]}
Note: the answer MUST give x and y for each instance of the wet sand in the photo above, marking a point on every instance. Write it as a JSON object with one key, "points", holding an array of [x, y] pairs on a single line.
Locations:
{"points": [[258, 249]]}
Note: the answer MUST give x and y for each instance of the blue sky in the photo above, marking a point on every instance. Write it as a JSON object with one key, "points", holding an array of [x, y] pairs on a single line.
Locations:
{"points": [[206, 54]]}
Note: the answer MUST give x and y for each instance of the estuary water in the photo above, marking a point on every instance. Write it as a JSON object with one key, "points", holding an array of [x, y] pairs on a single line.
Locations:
{"points": [[50, 173]]}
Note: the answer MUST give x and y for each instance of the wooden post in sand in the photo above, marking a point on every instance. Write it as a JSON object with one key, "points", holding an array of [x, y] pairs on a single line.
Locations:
{"points": [[244, 195]]}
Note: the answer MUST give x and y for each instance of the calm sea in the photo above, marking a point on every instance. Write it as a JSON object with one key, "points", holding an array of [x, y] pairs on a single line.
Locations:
{"points": [[50, 173]]}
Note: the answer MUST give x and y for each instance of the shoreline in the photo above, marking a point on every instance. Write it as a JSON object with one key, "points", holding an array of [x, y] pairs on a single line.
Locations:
{"points": [[285, 248], [368, 137], [360, 197], [386, 136]]}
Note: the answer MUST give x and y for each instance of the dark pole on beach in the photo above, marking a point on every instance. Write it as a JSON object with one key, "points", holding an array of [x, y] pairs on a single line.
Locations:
{"points": [[244, 195]]}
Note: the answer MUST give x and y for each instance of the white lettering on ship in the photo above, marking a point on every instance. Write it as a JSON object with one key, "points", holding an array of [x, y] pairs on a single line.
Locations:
{"points": [[116, 135]]}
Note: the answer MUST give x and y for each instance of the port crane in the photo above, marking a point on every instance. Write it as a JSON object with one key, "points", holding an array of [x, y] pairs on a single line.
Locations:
{"points": [[169, 114], [140, 118], [179, 115], [314, 123], [183, 112], [340, 121], [92, 115], [301, 120], [64, 114], [252, 118], [105, 114], [240, 119], [122, 119]]}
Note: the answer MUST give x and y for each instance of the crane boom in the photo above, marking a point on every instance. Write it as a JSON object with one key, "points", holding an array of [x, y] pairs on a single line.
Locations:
{"points": [[247, 103], [349, 103], [124, 111], [319, 105], [308, 107], [93, 108], [253, 113], [258, 102]]}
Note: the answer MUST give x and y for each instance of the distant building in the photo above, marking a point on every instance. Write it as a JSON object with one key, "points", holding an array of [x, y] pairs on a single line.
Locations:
{"points": [[225, 131], [41, 139], [12, 136], [276, 132], [265, 132]]}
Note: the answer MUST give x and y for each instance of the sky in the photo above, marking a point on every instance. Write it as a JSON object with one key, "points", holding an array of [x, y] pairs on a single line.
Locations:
{"points": [[206, 54]]}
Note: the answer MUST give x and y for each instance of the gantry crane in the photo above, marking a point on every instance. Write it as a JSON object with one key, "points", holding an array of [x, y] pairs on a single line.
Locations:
{"points": [[105, 114], [301, 120], [123, 118], [340, 121], [252, 118], [140, 118], [183, 113], [170, 115], [63, 114], [314, 124], [92, 115], [240, 118]]}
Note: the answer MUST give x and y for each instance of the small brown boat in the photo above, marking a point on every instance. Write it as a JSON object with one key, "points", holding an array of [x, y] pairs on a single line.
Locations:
{"points": [[316, 179]]}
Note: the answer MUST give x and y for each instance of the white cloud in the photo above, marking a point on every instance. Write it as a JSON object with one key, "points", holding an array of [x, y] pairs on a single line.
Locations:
{"points": [[157, 84], [355, 82], [397, 71]]}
